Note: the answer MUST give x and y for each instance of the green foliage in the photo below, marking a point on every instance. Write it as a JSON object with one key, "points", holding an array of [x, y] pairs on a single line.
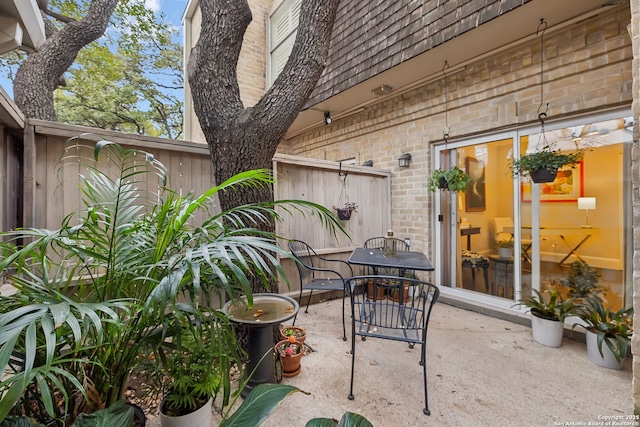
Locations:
{"points": [[547, 158], [505, 243], [582, 280], [349, 419], [118, 414], [612, 327], [130, 80], [550, 307], [453, 179], [110, 286]]}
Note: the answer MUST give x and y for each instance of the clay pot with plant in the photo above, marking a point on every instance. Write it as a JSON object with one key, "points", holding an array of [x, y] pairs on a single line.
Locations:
{"points": [[290, 352], [293, 331]]}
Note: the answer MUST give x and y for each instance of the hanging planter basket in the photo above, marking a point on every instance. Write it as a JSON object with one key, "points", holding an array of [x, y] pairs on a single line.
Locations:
{"points": [[344, 214], [543, 175]]}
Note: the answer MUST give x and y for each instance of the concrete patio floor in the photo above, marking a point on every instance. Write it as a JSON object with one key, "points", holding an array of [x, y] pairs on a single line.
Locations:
{"points": [[482, 371]]}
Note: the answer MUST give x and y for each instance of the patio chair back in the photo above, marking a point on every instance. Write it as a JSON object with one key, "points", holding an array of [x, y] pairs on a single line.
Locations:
{"points": [[402, 316], [378, 243], [319, 273]]}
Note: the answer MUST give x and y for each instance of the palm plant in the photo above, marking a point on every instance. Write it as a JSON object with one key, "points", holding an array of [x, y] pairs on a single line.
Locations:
{"points": [[106, 288]]}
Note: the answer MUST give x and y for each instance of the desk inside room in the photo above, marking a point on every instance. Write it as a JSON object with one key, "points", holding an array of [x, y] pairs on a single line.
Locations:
{"points": [[573, 233], [469, 232]]}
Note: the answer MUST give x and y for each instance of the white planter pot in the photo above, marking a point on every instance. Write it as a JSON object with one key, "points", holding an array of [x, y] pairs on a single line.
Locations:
{"points": [[505, 252], [547, 332], [199, 418], [607, 359]]}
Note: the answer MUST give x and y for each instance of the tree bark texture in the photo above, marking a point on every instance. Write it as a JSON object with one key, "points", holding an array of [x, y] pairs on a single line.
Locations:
{"points": [[39, 75], [242, 138]]}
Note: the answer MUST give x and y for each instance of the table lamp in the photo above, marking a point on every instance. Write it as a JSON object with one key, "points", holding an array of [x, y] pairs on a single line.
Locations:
{"points": [[586, 203]]}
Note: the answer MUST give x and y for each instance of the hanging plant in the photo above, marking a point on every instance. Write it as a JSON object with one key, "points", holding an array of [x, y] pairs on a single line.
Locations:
{"points": [[546, 162], [453, 179], [344, 213]]}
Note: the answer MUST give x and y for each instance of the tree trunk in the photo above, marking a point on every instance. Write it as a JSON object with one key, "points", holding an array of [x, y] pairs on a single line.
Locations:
{"points": [[39, 75], [240, 138]]}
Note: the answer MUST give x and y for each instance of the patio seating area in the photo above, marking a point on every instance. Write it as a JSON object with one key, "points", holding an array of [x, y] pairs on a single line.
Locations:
{"points": [[482, 371]]}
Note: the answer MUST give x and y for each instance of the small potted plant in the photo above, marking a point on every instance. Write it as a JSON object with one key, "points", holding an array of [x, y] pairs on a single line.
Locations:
{"points": [[505, 248], [290, 352], [547, 315], [543, 165], [582, 281], [603, 325], [453, 179], [345, 212], [295, 331]]}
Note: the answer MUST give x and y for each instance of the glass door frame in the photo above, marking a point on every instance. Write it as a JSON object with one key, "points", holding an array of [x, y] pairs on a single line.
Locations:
{"points": [[446, 268]]}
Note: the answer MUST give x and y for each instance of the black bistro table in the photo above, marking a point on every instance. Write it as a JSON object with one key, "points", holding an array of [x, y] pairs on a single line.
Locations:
{"points": [[402, 260]]}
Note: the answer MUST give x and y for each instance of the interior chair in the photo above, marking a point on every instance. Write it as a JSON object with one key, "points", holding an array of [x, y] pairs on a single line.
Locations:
{"points": [[319, 273], [399, 319], [499, 226]]}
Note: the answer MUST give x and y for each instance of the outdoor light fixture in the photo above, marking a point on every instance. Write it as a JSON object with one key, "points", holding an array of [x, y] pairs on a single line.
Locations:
{"points": [[327, 118], [382, 90], [586, 203], [404, 160]]}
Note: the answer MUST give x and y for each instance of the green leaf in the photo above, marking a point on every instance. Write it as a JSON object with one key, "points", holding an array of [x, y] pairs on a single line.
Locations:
{"points": [[349, 419], [118, 414], [257, 406]]}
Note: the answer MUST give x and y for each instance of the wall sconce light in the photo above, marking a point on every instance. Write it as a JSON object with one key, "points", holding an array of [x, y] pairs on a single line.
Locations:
{"points": [[404, 160], [586, 203], [327, 118], [382, 90]]}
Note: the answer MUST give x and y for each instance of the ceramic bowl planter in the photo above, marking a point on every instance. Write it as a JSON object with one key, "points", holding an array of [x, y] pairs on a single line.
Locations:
{"points": [[607, 359], [344, 213], [297, 332], [548, 311], [291, 352], [201, 417], [547, 332]]}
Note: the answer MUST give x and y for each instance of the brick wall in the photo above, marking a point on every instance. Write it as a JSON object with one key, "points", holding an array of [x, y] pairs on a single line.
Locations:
{"points": [[587, 67]]}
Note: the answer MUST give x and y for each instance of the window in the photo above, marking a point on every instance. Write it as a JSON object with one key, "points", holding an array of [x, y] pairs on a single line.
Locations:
{"points": [[283, 28]]}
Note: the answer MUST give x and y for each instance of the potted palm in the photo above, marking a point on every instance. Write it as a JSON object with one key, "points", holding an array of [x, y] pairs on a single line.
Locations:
{"points": [[453, 179], [605, 326], [548, 312], [96, 296], [542, 165]]}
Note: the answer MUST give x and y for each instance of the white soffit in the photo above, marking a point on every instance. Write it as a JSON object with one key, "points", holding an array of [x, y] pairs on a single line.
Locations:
{"points": [[28, 15]]}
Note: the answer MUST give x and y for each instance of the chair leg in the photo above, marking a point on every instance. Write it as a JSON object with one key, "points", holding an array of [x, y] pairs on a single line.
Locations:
{"points": [[423, 362], [353, 362], [306, 310], [344, 327]]}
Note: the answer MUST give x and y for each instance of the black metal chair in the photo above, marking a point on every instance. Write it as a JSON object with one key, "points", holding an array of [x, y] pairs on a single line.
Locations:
{"points": [[378, 242], [404, 317], [316, 275]]}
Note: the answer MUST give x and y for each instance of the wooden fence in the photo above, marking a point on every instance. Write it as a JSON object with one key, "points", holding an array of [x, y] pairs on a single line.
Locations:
{"points": [[35, 195]]}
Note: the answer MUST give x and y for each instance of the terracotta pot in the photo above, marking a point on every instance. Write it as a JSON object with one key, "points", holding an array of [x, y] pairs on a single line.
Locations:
{"points": [[290, 364], [543, 175], [300, 333], [379, 291], [394, 294]]}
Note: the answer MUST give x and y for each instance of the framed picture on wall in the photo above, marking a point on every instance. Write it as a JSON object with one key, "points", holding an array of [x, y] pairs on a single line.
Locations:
{"points": [[474, 200], [567, 187]]}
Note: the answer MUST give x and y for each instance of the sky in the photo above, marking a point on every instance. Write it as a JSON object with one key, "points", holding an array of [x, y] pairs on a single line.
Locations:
{"points": [[171, 9]]}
